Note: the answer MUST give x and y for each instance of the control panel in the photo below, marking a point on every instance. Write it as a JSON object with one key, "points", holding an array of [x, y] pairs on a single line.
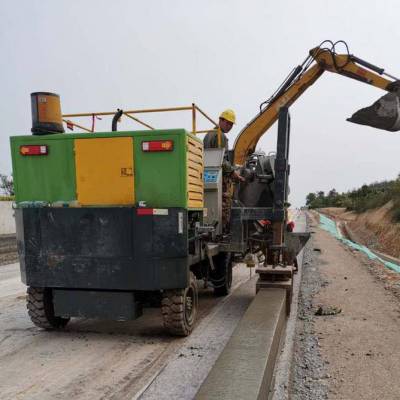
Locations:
{"points": [[210, 176]]}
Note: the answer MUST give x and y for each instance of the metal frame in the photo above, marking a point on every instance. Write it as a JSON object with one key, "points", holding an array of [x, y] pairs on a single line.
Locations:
{"points": [[276, 213], [281, 175], [193, 108]]}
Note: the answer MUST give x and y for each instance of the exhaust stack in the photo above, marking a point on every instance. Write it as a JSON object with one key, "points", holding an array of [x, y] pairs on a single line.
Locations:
{"points": [[46, 113]]}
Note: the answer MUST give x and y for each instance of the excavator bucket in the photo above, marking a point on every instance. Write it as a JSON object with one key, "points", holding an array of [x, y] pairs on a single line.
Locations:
{"points": [[383, 114]]}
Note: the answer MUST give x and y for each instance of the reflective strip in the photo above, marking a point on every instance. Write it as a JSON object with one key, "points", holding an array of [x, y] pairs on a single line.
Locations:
{"points": [[152, 211], [160, 211], [180, 222]]}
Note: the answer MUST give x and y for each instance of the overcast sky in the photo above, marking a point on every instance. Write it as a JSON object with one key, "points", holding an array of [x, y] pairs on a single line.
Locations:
{"points": [[100, 55]]}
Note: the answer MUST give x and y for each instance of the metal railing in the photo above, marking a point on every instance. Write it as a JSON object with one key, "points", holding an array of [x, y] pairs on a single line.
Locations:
{"points": [[130, 114]]}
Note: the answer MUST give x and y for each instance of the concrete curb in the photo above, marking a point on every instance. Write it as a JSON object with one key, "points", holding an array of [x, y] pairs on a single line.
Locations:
{"points": [[283, 368], [245, 367], [239, 373], [185, 370]]}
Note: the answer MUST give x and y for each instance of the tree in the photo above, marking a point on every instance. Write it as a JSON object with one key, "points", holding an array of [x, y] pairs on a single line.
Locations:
{"points": [[310, 198], [332, 193], [7, 185]]}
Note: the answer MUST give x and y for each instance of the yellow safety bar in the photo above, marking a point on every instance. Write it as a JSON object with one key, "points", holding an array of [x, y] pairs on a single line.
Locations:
{"points": [[194, 108]]}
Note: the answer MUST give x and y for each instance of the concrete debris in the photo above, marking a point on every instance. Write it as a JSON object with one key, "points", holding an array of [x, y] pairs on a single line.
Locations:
{"points": [[328, 310]]}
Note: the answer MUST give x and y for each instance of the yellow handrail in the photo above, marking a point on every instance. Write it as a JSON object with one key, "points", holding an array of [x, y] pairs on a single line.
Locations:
{"points": [[138, 120], [78, 126], [193, 108]]}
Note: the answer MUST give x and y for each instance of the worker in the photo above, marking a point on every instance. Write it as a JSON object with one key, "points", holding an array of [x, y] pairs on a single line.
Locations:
{"points": [[211, 140], [226, 122]]}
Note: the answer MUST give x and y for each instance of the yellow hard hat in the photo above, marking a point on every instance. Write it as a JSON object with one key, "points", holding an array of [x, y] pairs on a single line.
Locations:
{"points": [[229, 115]]}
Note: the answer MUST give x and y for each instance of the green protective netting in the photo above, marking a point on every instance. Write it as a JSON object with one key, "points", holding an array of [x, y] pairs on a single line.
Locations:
{"points": [[330, 226]]}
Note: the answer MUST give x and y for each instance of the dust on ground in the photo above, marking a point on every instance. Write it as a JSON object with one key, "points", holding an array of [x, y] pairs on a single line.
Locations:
{"points": [[309, 376]]}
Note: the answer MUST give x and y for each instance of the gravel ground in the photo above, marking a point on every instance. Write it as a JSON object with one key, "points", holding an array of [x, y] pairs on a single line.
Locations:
{"points": [[347, 343], [309, 373], [282, 373]]}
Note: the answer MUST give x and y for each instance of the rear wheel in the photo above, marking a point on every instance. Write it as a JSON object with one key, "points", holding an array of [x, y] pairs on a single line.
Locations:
{"points": [[221, 277], [41, 309], [179, 308]]}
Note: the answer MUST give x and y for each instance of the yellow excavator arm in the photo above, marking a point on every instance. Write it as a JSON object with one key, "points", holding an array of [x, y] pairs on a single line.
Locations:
{"points": [[302, 77]]}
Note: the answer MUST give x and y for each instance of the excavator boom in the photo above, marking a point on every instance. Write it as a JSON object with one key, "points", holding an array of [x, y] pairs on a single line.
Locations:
{"points": [[384, 114]]}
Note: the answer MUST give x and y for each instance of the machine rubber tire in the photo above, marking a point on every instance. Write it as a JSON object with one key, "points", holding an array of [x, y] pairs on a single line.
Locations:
{"points": [[179, 308], [221, 278], [41, 310]]}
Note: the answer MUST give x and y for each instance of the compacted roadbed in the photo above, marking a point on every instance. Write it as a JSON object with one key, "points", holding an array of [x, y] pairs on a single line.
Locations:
{"points": [[94, 359]]}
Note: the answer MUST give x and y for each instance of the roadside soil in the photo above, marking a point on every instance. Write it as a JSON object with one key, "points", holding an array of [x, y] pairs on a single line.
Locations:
{"points": [[93, 359], [355, 352], [373, 228]]}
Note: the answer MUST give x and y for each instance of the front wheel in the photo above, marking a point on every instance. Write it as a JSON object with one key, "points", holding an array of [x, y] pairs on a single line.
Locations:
{"points": [[221, 277], [179, 308]]}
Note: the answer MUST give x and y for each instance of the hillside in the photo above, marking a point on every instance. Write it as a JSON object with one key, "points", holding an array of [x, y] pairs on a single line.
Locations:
{"points": [[368, 197], [374, 228]]}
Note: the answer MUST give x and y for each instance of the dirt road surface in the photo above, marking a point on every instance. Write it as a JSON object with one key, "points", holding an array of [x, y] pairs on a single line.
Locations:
{"points": [[102, 359], [353, 354], [350, 355], [8, 249]]}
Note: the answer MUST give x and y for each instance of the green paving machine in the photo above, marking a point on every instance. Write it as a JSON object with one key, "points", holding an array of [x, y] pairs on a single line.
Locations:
{"points": [[111, 222]]}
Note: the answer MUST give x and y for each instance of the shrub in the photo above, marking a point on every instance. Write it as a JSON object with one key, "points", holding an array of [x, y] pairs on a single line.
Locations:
{"points": [[367, 197]]}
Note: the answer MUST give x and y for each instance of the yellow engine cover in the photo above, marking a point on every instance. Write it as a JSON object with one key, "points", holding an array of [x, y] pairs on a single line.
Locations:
{"points": [[105, 171]]}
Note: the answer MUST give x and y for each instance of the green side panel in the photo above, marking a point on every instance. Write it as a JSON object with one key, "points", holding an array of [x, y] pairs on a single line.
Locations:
{"points": [[160, 177], [47, 178]]}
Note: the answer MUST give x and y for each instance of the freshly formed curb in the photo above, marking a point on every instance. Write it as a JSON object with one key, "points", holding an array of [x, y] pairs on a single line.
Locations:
{"points": [[245, 367]]}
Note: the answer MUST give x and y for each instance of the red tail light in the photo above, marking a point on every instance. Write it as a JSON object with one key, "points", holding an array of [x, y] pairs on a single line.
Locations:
{"points": [[34, 150], [290, 226], [144, 211], [152, 211], [158, 145]]}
